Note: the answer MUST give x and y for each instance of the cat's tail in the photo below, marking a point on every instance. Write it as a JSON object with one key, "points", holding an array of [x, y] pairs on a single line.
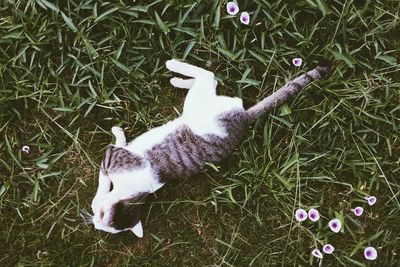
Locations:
{"points": [[289, 89]]}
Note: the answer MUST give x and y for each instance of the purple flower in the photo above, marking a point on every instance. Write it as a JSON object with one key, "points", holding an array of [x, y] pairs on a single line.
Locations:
{"points": [[328, 249], [370, 253], [335, 225], [232, 8], [301, 215], [25, 149], [371, 200], [245, 18], [297, 61], [358, 211], [313, 215], [317, 253]]}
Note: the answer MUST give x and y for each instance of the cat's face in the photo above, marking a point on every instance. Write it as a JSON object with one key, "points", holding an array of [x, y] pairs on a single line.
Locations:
{"points": [[114, 214], [125, 180]]}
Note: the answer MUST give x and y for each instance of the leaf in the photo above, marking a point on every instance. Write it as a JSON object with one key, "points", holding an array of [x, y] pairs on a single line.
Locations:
{"points": [[355, 262], [323, 7], [217, 17], [139, 8], [121, 66], [111, 10], [356, 248], [189, 48], [283, 181], [259, 57], [63, 109], [285, 110], [388, 59], [119, 50], [69, 22], [287, 123], [50, 5], [2, 190], [186, 30], [161, 24], [345, 57], [214, 167], [294, 159], [375, 236], [227, 53]]}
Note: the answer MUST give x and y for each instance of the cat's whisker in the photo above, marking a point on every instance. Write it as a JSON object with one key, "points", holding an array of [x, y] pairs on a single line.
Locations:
{"points": [[86, 217]]}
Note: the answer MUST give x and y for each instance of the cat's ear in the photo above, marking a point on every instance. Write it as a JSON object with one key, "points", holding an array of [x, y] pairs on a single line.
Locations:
{"points": [[155, 186], [120, 139], [138, 229]]}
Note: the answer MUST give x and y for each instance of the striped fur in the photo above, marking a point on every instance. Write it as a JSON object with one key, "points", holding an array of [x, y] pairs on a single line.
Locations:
{"points": [[288, 90], [183, 153], [117, 159]]}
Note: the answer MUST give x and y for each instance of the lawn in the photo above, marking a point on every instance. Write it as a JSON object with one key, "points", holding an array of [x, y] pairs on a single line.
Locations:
{"points": [[70, 70]]}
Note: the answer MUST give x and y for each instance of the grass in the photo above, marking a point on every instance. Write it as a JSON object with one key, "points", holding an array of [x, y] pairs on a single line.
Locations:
{"points": [[69, 70]]}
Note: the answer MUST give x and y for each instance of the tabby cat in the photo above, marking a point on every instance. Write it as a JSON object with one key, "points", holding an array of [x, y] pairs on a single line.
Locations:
{"points": [[208, 130]]}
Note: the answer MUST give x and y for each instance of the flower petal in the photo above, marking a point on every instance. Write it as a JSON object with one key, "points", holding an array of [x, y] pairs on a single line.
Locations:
{"points": [[371, 200], [245, 18], [317, 253], [370, 253], [328, 249], [313, 215], [232, 8], [358, 211], [297, 61], [300, 215], [25, 149], [335, 225]]}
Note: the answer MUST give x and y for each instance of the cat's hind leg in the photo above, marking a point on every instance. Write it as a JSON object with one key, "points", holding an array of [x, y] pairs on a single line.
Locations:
{"points": [[187, 69]]}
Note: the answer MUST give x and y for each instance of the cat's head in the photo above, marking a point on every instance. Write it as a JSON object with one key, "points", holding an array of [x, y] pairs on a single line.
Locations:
{"points": [[115, 214], [125, 180]]}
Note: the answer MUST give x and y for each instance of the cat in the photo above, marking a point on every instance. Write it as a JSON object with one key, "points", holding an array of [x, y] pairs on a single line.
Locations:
{"points": [[208, 130]]}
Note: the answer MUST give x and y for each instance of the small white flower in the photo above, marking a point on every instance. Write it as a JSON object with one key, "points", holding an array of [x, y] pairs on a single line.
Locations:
{"points": [[25, 149], [301, 215], [358, 211], [371, 200], [317, 253], [313, 215], [370, 253], [328, 249], [335, 225], [245, 18], [297, 61], [232, 8]]}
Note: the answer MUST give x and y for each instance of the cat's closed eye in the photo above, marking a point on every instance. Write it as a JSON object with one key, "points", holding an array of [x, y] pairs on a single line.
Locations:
{"points": [[111, 186]]}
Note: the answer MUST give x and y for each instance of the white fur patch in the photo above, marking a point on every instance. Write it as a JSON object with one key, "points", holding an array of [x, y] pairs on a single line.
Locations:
{"points": [[130, 183], [202, 115]]}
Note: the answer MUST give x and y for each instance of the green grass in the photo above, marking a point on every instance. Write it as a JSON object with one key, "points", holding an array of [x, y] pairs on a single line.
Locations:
{"points": [[69, 70]]}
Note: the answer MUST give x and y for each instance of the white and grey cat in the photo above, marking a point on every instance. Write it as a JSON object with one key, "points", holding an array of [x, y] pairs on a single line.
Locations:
{"points": [[208, 130]]}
